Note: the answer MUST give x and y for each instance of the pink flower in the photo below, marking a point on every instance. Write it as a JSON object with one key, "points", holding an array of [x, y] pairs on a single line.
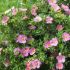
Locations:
{"points": [[59, 66], [14, 11], [52, 1], [37, 63], [16, 51], [29, 65], [66, 36], [5, 20], [25, 51], [54, 41], [34, 10], [21, 39], [55, 7], [64, 7], [37, 19], [60, 58], [49, 20], [67, 12], [32, 51], [59, 27], [1, 50], [47, 44]]}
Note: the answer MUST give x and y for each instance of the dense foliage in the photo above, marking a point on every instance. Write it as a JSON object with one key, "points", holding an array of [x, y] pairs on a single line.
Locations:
{"points": [[37, 31]]}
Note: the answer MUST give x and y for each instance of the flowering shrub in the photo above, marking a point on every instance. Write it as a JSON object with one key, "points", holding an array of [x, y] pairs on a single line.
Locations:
{"points": [[36, 36]]}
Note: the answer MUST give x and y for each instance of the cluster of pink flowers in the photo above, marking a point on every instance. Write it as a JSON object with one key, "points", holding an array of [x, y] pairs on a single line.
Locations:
{"points": [[24, 51], [66, 36], [54, 41], [50, 43], [33, 64], [60, 60], [34, 10], [21, 38], [48, 20], [66, 9], [5, 18], [54, 5]]}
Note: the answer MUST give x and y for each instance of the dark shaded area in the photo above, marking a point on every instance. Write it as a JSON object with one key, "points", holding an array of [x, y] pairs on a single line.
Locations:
{"points": [[67, 66], [44, 67]]}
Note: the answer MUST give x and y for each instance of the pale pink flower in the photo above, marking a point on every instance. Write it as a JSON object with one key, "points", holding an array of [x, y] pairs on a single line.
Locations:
{"points": [[6, 63], [34, 10], [60, 58], [47, 44], [66, 36], [49, 20], [21, 38], [59, 27], [55, 7], [32, 27], [14, 11], [54, 41], [1, 50], [52, 1], [64, 7], [59, 66], [5, 20], [25, 51], [16, 51], [32, 51], [37, 19], [25, 17]]}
